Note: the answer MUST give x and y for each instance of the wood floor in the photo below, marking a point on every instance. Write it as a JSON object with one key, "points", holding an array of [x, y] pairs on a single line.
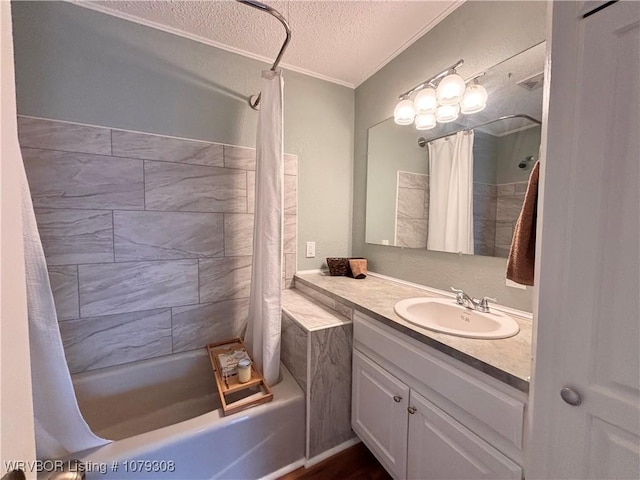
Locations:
{"points": [[354, 463]]}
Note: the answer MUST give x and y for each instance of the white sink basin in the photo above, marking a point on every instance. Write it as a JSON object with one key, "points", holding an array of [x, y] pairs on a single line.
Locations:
{"points": [[446, 316]]}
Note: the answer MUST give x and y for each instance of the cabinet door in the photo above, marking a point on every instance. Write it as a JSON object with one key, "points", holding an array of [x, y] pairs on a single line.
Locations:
{"points": [[379, 413], [441, 448]]}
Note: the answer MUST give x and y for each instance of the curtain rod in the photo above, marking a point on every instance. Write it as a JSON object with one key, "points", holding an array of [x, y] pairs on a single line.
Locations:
{"points": [[423, 141]]}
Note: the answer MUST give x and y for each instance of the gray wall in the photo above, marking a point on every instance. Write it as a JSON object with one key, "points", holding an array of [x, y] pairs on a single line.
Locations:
{"points": [[483, 33], [79, 65], [512, 149]]}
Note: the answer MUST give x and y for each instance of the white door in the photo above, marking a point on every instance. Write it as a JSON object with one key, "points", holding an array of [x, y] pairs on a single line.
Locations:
{"points": [[588, 308], [441, 448], [17, 443], [379, 413]]}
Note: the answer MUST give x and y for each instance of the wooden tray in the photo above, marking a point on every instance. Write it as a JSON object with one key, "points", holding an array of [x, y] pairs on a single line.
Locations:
{"points": [[236, 396]]}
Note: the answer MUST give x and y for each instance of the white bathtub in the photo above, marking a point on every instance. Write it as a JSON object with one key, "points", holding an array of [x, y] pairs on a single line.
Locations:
{"points": [[165, 419]]}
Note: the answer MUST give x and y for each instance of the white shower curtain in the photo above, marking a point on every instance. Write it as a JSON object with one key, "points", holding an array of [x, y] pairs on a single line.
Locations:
{"points": [[263, 328], [59, 426], [451, 193]]}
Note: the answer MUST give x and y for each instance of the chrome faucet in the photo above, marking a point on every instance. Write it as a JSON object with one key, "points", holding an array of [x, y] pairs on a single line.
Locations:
{"points": [[472, 303]]}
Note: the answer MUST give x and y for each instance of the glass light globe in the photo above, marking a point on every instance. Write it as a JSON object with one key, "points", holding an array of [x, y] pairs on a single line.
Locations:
{"points": [[404, 113], [450, 89], [447, 113], [426, 101], [425, 121], [474, 99]]}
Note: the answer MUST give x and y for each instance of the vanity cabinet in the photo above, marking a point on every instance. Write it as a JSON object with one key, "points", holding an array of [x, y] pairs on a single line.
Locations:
{"points": [[418, 433]]}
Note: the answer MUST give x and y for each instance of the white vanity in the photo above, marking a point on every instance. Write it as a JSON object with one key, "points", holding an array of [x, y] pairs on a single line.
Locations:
{"points": [[427, 404]]}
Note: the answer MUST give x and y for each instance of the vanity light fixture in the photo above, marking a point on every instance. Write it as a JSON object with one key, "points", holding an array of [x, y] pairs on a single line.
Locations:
{"points": [[440, 99]]}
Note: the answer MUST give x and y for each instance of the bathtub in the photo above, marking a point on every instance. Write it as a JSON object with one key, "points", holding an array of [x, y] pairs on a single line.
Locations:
{"points": [[165, 419]]}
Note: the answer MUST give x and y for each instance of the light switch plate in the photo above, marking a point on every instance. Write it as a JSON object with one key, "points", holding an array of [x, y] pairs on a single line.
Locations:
{"points": [[311, 249]]}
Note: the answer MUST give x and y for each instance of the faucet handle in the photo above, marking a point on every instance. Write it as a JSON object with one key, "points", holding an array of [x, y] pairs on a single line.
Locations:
{"points": [[456, 290], [484, 303]]}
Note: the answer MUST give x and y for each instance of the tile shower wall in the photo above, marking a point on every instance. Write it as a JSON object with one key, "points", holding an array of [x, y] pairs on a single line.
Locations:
{"points": [[412, 210], [148, 239]]}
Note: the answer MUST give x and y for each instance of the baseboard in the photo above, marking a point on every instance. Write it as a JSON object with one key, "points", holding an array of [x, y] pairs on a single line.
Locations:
{"points": [[331, 452], [284, 470]]}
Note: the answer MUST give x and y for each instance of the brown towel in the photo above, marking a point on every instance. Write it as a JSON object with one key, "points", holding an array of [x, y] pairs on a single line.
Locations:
{"points": [[522, 256], [358, 267]]}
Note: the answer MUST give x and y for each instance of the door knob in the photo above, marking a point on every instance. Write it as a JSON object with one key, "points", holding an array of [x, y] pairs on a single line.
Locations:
{"points": [[411, 410], [570, 396], [397, 398]]}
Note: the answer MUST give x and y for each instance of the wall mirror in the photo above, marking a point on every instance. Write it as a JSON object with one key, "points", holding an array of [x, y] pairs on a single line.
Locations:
{"points": [[501, 144]]}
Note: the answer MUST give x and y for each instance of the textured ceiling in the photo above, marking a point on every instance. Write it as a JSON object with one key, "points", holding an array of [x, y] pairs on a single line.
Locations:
{"points": [[342, 41]]}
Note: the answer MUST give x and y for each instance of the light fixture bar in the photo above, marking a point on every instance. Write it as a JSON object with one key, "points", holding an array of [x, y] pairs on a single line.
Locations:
{"points": [[449, 70]]}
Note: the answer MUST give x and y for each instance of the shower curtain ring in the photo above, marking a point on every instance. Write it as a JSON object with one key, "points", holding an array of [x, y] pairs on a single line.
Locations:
{"points": [[254, 101]]}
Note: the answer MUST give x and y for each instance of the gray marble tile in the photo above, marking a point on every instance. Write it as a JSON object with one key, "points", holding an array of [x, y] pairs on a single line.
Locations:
{"points": [[482, 249], [410, 203], [502, 252], [330, 389], [68, 137], [77, 180], [504, 234], [251, 191], [197, 325], [64, 285], [194, 188], [508, 208], [294, 350], [484, 207], [91, 343], [485, 189], [157, 147], [310, 314], [344, 310], [75, 236], [134, 286], [484, 231], [239, 157], [506, 189], [290, 188], [290, 234], [290, 164], [411, 233], [167, 235], [238, 235], [290, 265], [413, 180], [224, 278]]}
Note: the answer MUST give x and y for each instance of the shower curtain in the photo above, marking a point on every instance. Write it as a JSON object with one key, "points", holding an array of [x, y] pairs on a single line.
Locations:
{"points": [[451, 193], [263, 328], [59, 426]]}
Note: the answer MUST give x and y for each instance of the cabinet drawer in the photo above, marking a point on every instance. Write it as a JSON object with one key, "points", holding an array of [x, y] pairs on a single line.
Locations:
{"points": [[497, 410]]}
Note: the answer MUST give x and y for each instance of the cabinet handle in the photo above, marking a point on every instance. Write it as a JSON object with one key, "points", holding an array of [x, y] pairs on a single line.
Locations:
{"points": [[397, 398], [411, 410]]}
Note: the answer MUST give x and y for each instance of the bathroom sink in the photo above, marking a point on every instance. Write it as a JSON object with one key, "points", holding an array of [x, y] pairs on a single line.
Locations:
{"points": [[446, 316]]}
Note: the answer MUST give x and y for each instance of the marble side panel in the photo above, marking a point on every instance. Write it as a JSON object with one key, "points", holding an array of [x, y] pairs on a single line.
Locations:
{"points": [[293, 352], [75, 236], [330, 389], [167, 235], [239, 157], [251, 191], [411, 233], [290, 265], [68, 137], [309, 314], [413, 180], [64, 284], [197, 325], [156, 147], [134, 286], [224, 278], [290, 164], [99, 342], [77, 180], [344, 310], [290, 195], [238, 235], [194, 188], [508, 208], [411, 203], [290, 234]]}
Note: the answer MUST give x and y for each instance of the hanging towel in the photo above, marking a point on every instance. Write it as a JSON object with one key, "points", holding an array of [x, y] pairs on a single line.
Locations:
{"points": [[522, 255]]}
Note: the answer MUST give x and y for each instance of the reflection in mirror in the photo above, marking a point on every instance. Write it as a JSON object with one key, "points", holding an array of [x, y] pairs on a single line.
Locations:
{"points": [[402, 190]]}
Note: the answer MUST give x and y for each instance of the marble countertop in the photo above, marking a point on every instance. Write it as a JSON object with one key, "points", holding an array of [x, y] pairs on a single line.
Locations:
{"points": [[507, 359], [308, 314]]}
